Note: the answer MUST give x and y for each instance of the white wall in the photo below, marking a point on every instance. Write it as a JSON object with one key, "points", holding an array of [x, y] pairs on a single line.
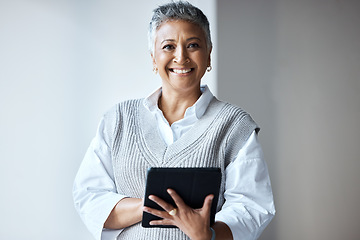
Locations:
{"points": [[295, 66], [62, 65]]}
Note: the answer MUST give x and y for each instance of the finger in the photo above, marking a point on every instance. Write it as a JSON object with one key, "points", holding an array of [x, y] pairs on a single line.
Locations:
{"points": [[177, 199], [158, 213], [164, 205], [207, 204], [162, 222]]}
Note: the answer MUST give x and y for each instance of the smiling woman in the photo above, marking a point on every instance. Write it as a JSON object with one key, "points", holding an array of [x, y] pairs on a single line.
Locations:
{"points": [[180, 47], [180, 125], [181, 57]]}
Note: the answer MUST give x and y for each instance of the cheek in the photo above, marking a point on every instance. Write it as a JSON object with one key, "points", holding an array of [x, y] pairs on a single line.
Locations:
{"points": [[203, 61], [162, 59]]}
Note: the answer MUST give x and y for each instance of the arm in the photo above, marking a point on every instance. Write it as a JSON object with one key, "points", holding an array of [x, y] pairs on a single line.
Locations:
{"points": [[94, 189], [222, 231], [130, 210], [249, 204]]}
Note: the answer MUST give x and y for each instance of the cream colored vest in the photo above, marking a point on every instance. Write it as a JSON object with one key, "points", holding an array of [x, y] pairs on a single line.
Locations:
{"points": [[137, 145]]}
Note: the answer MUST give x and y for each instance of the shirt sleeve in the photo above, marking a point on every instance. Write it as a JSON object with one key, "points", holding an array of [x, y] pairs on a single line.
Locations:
{"points": [[249, 204], [94, 189]]}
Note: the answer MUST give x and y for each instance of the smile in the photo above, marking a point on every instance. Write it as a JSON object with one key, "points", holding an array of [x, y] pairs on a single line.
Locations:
{"points": [[181, 71]]}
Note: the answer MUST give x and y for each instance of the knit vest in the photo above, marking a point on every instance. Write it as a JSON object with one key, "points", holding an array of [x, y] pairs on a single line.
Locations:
{"points": [[213, 141]]}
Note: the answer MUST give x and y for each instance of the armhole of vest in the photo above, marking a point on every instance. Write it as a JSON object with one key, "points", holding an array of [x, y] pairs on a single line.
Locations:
{"points": [[115, 125], [119, 118], [232, 134]]}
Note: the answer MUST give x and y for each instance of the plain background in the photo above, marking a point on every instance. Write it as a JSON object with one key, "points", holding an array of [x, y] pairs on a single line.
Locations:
{"points": [[293, 65], [62, 65]]}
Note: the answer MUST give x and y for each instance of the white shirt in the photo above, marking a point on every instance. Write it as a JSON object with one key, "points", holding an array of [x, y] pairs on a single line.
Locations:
{"points": [[248, 206]]}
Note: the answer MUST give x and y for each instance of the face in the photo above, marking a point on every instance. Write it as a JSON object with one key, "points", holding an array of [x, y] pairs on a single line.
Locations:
{"points": [[180, 55]]}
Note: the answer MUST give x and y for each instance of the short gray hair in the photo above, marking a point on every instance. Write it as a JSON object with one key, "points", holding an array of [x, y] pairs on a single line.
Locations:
{"points": [[178, 11]]}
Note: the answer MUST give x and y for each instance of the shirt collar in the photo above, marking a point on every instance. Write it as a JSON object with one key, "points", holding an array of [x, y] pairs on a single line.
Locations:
{"points": [[197, 110], [151, 101]]}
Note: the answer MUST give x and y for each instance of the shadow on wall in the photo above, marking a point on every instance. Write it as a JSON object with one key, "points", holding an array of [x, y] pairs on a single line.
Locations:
{"points": [[246, 46], [295, 67]]}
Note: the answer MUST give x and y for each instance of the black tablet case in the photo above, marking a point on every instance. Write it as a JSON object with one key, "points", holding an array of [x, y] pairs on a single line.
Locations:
{"points": [[192, 184]]}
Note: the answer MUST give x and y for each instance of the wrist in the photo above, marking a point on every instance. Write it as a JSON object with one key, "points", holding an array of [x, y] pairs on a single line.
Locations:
{"points": [[209, 234], [140, 207]]}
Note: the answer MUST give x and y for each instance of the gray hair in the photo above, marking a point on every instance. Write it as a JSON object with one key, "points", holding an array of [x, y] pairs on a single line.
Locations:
{"points": [[178, 11]]}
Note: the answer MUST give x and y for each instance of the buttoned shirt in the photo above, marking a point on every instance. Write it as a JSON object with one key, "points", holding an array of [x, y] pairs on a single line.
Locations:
{"points": [[248, 206]]}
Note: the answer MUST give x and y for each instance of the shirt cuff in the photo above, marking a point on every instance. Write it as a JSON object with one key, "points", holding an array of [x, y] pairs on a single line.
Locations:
{"points": [[99, 212], [110, 234], [242, 224]]}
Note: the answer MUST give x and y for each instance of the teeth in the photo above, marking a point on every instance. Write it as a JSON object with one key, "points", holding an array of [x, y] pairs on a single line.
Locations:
{"points": [[182, 70]]}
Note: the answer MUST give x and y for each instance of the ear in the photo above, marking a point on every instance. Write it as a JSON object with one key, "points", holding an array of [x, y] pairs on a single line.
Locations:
{"points": [[153, 60], [209, 58]]}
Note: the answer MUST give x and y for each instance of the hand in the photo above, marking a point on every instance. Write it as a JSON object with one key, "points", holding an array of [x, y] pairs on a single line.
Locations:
{"points": [[195, 223]]}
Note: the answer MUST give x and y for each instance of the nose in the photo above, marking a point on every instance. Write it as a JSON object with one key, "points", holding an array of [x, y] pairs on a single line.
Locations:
{"points": [[181, 56]]}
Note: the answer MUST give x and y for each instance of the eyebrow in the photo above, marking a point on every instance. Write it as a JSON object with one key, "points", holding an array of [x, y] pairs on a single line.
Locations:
{"points": [[193, 38], [167, 40], [172, 40]]}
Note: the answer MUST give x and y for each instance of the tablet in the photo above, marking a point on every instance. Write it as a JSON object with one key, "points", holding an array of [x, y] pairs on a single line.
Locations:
{"points": [[192, 185]]}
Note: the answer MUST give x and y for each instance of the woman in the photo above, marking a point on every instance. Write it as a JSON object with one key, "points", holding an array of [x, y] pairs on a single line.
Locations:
{"points": [[180, 125]]}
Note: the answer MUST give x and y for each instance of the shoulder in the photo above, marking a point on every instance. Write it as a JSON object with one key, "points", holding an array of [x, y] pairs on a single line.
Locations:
{"points": [[239, 125], [232, 113], [123, 107], [120, 111], [226, 106]]}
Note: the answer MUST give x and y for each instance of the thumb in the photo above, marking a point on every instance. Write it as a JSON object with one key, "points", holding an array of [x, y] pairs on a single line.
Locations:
{"points": [[207, 204]]}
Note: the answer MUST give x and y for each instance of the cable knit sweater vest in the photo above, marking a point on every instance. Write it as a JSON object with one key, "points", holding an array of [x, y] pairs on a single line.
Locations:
{"points": [[213, 141]]}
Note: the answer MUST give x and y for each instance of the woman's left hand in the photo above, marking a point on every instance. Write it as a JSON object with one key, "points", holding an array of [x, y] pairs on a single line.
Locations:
{"points": [[195, 223]]}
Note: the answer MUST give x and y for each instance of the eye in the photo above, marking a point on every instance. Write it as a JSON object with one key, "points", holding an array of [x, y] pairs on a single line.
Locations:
{"points": [[193, 45], [168, 47]]}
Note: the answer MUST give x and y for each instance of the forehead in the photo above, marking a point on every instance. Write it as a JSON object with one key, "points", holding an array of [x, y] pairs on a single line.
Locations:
{"points": [[175, 29]]}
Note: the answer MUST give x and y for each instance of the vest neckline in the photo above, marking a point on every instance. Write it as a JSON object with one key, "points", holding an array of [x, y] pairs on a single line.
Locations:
{"points": [[161, 153]]}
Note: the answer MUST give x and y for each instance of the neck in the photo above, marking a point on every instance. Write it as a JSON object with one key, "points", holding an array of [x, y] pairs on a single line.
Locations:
{"points": [[174, 105]]}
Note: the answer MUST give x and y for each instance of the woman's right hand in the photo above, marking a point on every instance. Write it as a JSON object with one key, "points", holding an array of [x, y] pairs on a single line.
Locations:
{"points": [[127, 212], [195, 223]]}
